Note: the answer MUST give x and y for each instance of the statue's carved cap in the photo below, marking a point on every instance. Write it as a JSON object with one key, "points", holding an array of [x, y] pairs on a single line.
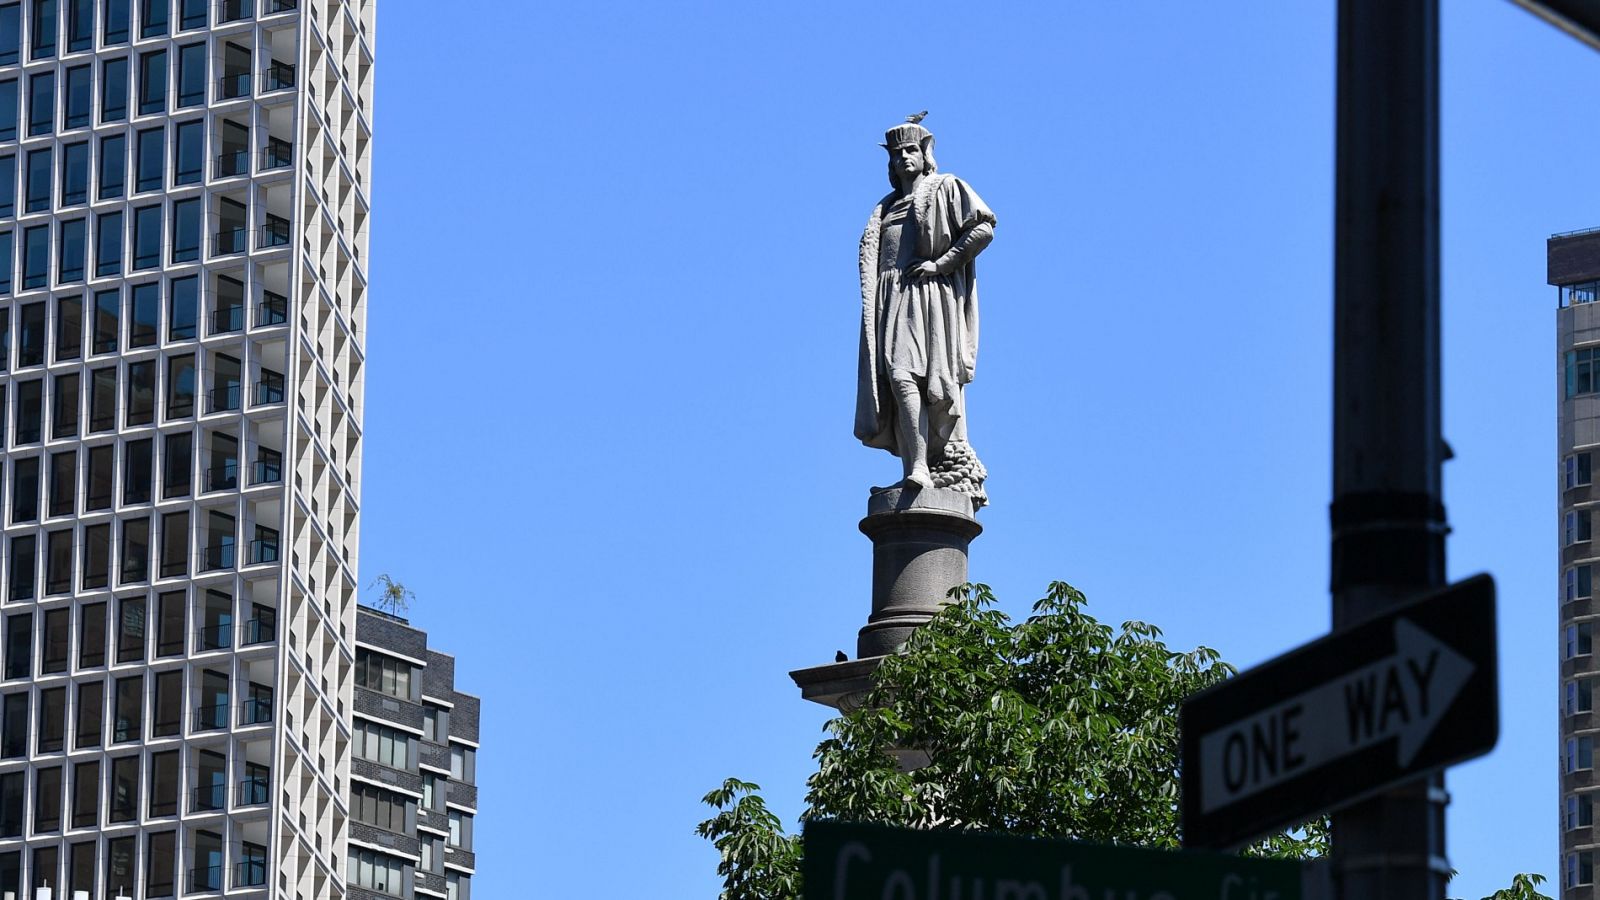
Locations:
{"points": [[906, 133]]}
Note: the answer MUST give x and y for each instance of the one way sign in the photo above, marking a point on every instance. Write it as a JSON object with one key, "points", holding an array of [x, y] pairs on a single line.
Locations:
{"points": [[1342, 718]]}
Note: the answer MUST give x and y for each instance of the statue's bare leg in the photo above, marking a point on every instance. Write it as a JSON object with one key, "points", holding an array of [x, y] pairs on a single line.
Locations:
{"points": [[911, 424]]}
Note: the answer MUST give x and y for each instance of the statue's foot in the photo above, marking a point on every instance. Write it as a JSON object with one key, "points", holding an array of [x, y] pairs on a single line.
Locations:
{"points": [[920, 477]]}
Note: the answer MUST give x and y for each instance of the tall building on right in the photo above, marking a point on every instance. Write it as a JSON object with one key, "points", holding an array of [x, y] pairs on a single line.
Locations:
{"points": [[1573, 267], [413, 776]]}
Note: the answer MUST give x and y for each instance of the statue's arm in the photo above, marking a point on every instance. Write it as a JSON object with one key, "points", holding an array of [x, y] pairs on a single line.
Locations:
{"points": [[966, 247]]}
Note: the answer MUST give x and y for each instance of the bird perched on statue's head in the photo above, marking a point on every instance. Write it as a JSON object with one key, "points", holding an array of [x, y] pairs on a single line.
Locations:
{"points": [[916, 118]]}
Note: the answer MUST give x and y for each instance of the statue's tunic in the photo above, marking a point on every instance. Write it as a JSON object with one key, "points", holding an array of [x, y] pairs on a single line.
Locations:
{"points": [[925, 328]]}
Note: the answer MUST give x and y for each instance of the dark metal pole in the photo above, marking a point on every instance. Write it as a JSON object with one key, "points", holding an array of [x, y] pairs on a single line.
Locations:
{"points": [[1388, 518]]}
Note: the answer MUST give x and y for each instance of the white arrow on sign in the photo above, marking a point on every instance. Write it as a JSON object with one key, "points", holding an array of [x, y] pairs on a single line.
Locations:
{"points": [[1401, 696]]}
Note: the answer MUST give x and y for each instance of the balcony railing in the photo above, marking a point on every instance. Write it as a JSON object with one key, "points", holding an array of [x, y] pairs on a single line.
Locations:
{"points": [[234, 10], [209, 717], [279, 154], [263, 551], [223, 398], [278, 6], [266, 472], [229, 240], [278, 76], [252, 791], [216, 637], [224, 477], [227, 319], [233, 86], [255, 712], [205, 878], [273, 309], [276, 232], [208, 797], [250, 873], [259, 631], [269, 392], [236, 162], [217, 556]]}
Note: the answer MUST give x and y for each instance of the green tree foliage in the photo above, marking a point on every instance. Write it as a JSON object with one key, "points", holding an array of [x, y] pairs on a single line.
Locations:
{"points": [[1056, 726], [1523, 887], [393, 597]]}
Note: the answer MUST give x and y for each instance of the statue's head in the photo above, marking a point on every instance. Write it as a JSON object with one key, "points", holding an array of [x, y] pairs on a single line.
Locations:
{"points": [[910, 149]]}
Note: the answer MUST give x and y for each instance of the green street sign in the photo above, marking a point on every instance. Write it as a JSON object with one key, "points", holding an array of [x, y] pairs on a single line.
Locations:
{"points": [[872, 862]]}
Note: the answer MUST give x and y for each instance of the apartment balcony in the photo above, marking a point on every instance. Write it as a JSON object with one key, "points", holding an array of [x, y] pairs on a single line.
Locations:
{"points": [[273, 309], [278, 77], [208, 798], [228, 240], [205, 878], [233, 86], [233, 163], [227, 320], [223, 399], [266, 472], [250, 873], [214, 637], [235, 10], [217, 556], [259, 631], [255, 711], [253, 791], [276, 233], [263, 551], [279, 154], [211, 717], [224, 477], [268, 392]]}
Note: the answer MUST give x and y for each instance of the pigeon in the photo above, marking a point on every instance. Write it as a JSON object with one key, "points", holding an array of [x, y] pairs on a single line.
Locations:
{"points": [[916, 118], [839, 656]]}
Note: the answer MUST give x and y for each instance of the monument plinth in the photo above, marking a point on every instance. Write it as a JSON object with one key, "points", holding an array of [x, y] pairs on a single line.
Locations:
{"points": [[919, 552]]}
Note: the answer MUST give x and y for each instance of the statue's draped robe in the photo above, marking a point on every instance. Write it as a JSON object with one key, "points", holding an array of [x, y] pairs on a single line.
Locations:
{"points": [[928, 327]]}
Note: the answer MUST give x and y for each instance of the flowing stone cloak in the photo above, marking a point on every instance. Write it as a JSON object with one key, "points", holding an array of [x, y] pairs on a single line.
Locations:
{"points": [[932, 324]]}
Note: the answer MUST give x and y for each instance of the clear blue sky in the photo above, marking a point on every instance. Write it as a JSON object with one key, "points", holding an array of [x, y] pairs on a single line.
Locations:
{"points": [[613, 337]]}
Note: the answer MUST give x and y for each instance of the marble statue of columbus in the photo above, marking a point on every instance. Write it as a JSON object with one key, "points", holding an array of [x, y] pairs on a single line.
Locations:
{"points": [[919, 317]]}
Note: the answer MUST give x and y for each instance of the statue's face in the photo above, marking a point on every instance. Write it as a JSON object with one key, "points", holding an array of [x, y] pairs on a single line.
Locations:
{"points": [[907, 160]]}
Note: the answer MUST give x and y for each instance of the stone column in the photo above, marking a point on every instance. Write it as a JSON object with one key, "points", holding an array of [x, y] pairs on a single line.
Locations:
{"points": [[919, 552]]}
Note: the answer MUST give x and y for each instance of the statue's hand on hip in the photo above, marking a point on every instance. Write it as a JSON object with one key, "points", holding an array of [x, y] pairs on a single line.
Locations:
{"points": [[922, 271]]}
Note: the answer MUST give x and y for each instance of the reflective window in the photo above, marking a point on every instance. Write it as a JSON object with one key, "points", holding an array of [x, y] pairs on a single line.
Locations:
{"points": [[152, 82], [79, 99], [107, 313], [150, 148], [30, 337], [39, 177], [116, 21], [80, 25], [75, 174], [69, 328], [186, 230], [8, 110], [72, 251], [192, 75], [153, 16], [8, 186], [108, 245], [183, 303], [113, 166], [143, 329], [188, 153], [10, 34], [147, 237], [36, 257], [114, 90], [41, 103], [44, 26]]}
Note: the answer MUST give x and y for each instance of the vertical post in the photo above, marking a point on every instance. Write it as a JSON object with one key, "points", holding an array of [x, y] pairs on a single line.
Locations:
{"points": [[1387, 515]]}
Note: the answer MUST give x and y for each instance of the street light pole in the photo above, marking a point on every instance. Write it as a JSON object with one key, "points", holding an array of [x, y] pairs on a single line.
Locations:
{"points": [[1387, 514]]}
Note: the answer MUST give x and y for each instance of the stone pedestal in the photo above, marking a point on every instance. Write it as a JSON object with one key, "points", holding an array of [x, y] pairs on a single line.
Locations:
{"points": [[919, 552]]}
